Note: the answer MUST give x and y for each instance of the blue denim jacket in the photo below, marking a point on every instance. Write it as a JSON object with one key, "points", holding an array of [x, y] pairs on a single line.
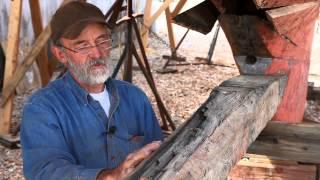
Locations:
{"points": [[65, 134]]}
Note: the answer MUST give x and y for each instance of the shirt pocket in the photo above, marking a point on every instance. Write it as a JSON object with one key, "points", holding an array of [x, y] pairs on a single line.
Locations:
{"points": [[136, 142], [127, 143]]}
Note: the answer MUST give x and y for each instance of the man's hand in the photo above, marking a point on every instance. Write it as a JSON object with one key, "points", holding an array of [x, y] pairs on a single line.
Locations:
{"points": [[130, 163]]}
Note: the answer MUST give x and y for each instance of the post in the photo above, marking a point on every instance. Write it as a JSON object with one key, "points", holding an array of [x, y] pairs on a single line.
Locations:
{"points": [[145, 29], [11, 62], [42, 59]]}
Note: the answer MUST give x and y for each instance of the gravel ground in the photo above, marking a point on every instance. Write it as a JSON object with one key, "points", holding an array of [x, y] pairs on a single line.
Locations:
{"points": [[182, 93]]}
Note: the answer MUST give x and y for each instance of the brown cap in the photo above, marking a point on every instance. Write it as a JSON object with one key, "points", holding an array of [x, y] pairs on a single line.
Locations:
{"points": [[70, 19]]}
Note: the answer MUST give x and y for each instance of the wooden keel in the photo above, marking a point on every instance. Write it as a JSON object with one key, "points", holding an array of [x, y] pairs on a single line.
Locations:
{"points": [[281, 45], [218, 134]]}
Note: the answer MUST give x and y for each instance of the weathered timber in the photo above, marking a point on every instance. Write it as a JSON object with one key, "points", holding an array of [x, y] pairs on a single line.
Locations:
{"points": [[220, 131], [243, 35], [286, 19], [298, 142], [278, 3], [265, 167]]}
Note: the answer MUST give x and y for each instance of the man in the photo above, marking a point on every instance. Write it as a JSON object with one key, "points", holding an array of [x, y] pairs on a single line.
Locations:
{"points": [[86, 125]]}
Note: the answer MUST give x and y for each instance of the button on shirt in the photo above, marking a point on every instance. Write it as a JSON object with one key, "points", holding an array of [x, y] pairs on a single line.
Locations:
{"points": [[66, 134]]}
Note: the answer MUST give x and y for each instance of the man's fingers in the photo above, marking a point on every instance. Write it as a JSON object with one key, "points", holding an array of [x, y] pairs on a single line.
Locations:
{"points": [[135, 158]]}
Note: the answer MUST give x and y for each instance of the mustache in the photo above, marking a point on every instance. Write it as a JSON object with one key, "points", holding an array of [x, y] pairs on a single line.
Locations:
{"points": [[97, 62]]}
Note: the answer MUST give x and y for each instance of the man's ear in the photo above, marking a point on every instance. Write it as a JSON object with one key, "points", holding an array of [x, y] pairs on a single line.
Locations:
{"points": [[59, 54]]}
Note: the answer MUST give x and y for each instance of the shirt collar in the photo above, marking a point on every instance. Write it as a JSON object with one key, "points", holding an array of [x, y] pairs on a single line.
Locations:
{"points": [[81, 93]]}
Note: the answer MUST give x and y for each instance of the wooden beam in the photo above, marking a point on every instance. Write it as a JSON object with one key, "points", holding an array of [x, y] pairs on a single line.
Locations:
{"points": [[297, 142], [172, 41], [42, 59], [265, 4], [40, 42], [145, 29], [286, 19], [178, 8], [164, 6], [259, 49], [218, 134], [11, 62], [264, 167], [306, 130], [243, 36]]}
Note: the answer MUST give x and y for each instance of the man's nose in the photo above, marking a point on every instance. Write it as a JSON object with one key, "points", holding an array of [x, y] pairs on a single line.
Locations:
{"points": [[95, 52]]}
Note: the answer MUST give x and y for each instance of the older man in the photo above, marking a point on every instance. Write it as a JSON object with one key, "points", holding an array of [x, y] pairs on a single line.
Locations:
{"points": [[86, 125]]}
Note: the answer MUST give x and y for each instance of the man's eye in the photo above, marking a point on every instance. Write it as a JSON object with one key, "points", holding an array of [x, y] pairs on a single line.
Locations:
{"points": [[83, 48]]}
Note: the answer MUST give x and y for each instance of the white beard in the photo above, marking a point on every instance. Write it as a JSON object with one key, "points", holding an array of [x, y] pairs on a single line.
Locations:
{"points": [[86, 74]]}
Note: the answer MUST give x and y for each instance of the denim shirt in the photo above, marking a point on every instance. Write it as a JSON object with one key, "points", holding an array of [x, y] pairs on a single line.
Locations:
{"points": [[65, 134]]}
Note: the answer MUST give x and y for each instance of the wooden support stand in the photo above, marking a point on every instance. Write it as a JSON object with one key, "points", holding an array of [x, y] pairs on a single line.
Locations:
{"points": [[218, 134]]}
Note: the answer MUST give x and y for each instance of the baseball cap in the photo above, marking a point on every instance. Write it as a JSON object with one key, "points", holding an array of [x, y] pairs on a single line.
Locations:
{"points": [[70, 19]]}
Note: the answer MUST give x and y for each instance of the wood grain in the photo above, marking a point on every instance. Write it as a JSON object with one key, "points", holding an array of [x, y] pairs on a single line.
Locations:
{"points": [[11, 62], [265, 167], [278, 3], [218, 134], [42, 59], [297, 142]]}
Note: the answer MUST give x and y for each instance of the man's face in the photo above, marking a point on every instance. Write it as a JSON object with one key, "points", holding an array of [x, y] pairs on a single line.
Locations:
{"points": [[89, 64]]}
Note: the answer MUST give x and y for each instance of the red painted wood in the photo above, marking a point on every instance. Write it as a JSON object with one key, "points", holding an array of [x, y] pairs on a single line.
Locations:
{"points": [[287, 41], [293, 60], [278, 3]]}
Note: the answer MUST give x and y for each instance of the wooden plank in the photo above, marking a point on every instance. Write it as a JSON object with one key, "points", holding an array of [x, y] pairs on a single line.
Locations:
{"points": [[297, 142], [163, 7], [11, 61], [306, 130], [286, 19], [172, 41], [178, 8], [278, 3], [145, 29], [218, 134], [264, 167], [25, 65], [42, 59]]}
